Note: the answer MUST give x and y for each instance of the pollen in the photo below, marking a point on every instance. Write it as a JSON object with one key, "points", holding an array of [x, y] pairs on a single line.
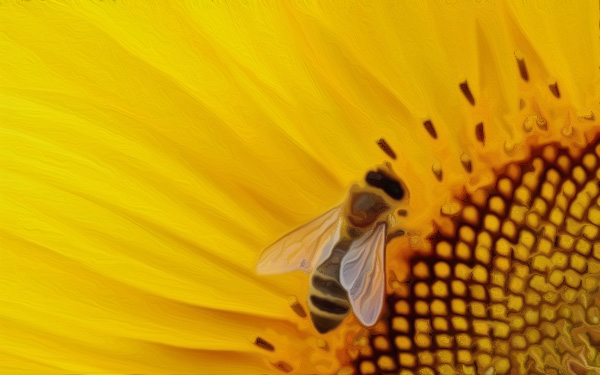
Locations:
{"points": [[515, 289]]}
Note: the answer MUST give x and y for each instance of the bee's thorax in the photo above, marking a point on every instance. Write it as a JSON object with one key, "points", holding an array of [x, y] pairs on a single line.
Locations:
{"points": [[365, 209]]}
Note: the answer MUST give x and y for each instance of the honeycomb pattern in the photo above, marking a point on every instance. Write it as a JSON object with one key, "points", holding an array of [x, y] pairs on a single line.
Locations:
{"points": [[514, 291]]}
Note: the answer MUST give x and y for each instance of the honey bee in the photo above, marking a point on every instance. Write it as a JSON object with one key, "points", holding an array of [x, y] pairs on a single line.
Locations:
{"points": [[344, 251]]}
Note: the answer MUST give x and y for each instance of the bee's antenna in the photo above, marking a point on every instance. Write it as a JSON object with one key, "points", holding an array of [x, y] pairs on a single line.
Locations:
{"points": [[385, 147]]}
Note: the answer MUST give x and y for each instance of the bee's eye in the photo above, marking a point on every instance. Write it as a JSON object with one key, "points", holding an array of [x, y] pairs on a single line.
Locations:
{"points": [[386, 183]]}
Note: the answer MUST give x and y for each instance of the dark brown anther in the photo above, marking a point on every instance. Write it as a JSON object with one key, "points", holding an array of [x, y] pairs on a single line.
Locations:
{"points": [[430, 129], [297, 308], [554, 89], [466, 162], [264, 344], [464, 87], [523, 69], [383, 145], [436, 168], [283, 366], [479, 133]]}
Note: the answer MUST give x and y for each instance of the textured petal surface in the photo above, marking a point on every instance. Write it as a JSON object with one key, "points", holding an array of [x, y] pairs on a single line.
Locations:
{"points": [[148, 152]]}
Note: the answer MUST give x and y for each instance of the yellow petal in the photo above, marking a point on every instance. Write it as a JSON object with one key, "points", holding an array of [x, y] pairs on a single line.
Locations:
{"points": [[149, 151]]}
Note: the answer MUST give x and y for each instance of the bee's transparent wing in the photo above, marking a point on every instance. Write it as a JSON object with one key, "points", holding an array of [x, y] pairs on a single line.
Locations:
{"points": [[299, 249], [362, 274]]}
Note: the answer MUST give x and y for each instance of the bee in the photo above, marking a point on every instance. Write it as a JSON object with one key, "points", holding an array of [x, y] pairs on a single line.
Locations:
{"points": [[343, 251]]}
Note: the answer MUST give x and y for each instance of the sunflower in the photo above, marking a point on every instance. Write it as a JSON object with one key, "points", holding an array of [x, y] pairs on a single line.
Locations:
{"points": [[149, 151]]}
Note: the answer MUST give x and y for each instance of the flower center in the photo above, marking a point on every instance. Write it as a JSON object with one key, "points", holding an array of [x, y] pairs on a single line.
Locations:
{"points": [[514, 290]]}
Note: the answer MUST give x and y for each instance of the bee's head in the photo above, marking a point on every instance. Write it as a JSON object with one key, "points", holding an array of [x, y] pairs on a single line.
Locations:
{"points": [[383, 193], [384, 197]]}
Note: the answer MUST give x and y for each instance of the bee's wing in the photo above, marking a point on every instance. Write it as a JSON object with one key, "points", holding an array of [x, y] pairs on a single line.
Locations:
{"points": [[299, 249], [362, 274]]}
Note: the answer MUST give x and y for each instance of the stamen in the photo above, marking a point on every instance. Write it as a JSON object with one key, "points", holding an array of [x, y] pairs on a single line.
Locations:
{"points": [[466, 162], [264, 344], [297, 307], [554, 89], [588, 116], [541, 123], [567, 131], [528, 123], [436, 168], [464, 87], [430, 129], [385, 147], [523, 69], [509, 147], [283, 366], [322, 344], [479, 133]]}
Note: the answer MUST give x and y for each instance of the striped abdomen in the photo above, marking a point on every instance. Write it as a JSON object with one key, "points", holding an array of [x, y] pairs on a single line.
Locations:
{"points": [[327, 299]]}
